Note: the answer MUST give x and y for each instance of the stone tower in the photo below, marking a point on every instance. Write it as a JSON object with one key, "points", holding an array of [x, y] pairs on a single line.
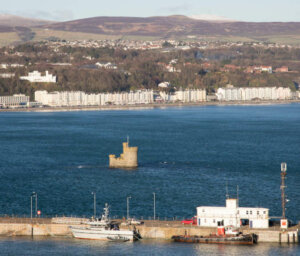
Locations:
{"points": [[128, 159]]}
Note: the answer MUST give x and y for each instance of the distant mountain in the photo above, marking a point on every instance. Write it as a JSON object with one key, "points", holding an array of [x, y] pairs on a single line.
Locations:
{"points": [[175, 26], [209, 17], [8, 20]]}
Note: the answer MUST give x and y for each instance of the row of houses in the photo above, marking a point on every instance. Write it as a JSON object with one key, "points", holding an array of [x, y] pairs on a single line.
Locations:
{"points": [[79, 98], [252, 93]]}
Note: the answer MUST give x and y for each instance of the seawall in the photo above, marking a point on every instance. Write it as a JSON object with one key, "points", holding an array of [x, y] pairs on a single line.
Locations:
{"points": [[149, 230]]}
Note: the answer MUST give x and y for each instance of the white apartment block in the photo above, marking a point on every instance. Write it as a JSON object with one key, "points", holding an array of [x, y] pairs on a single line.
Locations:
{"points": [[78, 98], [232, 215], [190, 95], [247, 93], [15, 100], [36, 77]]}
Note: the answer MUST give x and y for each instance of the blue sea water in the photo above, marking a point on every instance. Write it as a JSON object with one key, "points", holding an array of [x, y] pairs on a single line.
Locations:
{"points": [[186, 156]]}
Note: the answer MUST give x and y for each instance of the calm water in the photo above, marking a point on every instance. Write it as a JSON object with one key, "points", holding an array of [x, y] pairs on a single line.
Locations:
{"points": [[186, 156]]}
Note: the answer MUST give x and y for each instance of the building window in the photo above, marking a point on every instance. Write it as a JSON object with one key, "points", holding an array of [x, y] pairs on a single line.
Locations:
{"points": [[250, 212], [204, 220], [247, 212], [238, 212], [264, 212], [214, 221], [257, 212], [203, 210]]}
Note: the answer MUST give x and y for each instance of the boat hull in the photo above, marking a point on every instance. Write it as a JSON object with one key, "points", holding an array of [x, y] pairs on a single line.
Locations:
{"points": [[242, 239], [102, 234]]}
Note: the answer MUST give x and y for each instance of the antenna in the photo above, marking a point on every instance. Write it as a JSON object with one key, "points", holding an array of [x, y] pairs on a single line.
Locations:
{"points": [[227, 195], [237, 192], [128, 140], [282, 187]]}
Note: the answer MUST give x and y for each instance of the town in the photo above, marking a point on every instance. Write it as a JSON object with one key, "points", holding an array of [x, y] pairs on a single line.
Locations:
{"points": [[128, 72]]}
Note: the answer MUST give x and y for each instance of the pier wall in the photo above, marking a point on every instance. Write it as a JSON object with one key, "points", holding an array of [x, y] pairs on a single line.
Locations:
{"points": [[147, 231], [25, 229], [270, 236]]}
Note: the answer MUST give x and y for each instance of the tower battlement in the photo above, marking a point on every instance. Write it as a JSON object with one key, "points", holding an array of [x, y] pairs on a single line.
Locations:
{"points": [[128, 159]]}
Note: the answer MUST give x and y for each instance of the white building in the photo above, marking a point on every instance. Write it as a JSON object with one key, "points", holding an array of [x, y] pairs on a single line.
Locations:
{"points": [[107, 65], [36, 77], [78, 98], [253, 93], [15, 100], [190, 95], [233, 215], [7, 75], [164, 85]]}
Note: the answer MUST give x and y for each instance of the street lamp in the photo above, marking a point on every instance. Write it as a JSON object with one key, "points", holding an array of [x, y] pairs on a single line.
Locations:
{"points": [[282, 187], [33, 195], [93, 193], [129, 197], [154, 206]]}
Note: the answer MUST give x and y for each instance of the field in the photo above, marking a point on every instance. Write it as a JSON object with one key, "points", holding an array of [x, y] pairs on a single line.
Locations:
{"points": [[8, 38]]}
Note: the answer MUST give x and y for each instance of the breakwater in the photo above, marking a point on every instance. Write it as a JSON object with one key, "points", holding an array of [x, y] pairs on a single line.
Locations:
{"points": [[149, 230]]}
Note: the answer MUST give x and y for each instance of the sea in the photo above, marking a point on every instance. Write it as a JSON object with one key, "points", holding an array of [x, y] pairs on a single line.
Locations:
{"points": [[188, 157]]}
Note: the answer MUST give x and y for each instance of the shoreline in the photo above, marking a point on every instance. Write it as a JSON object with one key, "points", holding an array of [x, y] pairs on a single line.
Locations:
{"points": [[150, 106]]}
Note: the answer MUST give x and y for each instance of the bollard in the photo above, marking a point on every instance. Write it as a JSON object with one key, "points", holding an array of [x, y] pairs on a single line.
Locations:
{"points": [[280, 238], [294, 238]]}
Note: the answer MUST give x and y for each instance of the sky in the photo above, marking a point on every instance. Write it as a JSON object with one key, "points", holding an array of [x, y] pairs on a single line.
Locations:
{"points": [[243, 10]]}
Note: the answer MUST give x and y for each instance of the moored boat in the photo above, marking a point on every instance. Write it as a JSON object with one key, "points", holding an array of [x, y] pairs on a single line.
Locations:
{"points": [[104, 229], [222, 237]]}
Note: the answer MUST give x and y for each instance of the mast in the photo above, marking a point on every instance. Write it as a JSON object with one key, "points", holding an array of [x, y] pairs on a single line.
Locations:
{"points": [[227, 195], [282, 187]]}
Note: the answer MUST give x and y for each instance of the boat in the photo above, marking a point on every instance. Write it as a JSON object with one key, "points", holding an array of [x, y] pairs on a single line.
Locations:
{"points": [[118, 238], [104, 229], [224, 236]]}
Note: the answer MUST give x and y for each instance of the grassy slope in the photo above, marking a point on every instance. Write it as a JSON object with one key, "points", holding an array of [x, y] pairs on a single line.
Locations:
{"points": [[8, 38]]}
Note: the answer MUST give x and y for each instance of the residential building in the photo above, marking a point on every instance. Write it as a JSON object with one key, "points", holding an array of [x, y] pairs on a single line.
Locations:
{"points": [[283, 69], [78, 98], [7, 75], [253, 93], [36, 77], [232, 215], [14, 101], [107, 65]]}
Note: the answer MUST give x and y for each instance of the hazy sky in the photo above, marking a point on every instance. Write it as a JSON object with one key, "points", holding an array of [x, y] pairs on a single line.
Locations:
{"points": [[246, 10]]}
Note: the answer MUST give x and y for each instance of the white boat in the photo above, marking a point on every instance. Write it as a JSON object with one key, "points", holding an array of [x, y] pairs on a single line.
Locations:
{"points": [[104, 229]]}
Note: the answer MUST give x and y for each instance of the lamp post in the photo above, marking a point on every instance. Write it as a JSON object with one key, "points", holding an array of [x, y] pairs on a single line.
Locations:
{"points": [[282, 187], [154, 206], [129, 197], [33, 195], [36, 204], [93, 193]]}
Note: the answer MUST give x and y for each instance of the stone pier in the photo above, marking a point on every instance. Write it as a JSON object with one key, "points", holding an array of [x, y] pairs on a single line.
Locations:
{"points": [[149, 230]]}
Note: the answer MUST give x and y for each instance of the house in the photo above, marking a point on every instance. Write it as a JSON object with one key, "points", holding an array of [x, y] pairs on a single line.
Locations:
{"points": [[164, 85], [232, 215], [283, 69], [36, 77], [107, 65]]}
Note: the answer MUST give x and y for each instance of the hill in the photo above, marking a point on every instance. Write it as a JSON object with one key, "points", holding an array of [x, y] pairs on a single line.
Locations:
{"points": [[175, 26], [8, 20]]}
